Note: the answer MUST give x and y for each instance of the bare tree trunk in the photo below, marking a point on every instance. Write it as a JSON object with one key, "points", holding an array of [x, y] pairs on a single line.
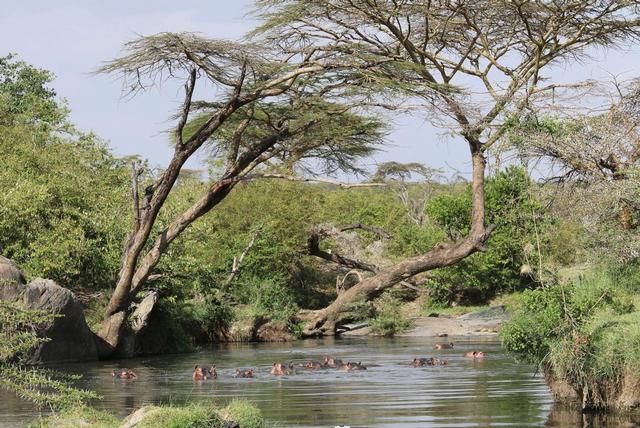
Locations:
{"points": [[136, 268], [326, 321]]}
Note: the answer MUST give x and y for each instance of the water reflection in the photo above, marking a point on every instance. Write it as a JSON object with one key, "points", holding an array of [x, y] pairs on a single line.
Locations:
{"points": [[491, 392], [562, 416]]}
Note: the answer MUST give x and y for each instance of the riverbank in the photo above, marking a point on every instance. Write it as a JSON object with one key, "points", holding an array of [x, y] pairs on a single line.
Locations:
{"points": [[485, 322], [238, 414]]}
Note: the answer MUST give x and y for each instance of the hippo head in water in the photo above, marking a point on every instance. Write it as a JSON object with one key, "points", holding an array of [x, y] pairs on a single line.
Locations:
{"points": [[279, 369], [444, 345], [198, 373]]}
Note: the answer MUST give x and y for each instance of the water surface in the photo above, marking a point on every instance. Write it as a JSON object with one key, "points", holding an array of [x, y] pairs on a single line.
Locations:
{"points": [[495, 392]]}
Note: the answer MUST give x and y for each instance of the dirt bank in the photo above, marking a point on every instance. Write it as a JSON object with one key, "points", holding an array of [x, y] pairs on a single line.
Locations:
{"points": [[480, 323]]}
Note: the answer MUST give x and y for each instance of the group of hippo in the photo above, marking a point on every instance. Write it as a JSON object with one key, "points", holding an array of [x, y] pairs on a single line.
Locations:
{"points": [[280, 369]]}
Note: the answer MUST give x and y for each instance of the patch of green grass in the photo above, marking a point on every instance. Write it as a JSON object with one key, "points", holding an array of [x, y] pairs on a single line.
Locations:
{"points": [[585, 334], [245, 413], [84, 416], [192, 416]]}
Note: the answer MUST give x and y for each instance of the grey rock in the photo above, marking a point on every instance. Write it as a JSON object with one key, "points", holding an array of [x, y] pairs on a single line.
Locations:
{"points": [[10, 272], [498, 312], [70, 338], [134, 419]]}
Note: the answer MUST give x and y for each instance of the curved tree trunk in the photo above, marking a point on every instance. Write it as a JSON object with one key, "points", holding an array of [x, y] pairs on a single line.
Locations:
{"points": [[325, 322]]}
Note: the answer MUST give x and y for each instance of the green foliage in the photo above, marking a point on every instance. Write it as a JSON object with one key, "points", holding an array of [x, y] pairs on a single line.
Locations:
{"points": [[452, 212], [517, 215], [272, 298], [41, 386], [540, 319], [25, 96], [361, 310], [64, 194], [246, 414], [78, 416], [17, 332], [584, 333], [389, 318], [193, 416]]}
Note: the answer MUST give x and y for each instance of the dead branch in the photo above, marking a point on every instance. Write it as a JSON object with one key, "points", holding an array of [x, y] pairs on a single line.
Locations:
{"points": [[313, 248], [381, 233], [237, 263]]}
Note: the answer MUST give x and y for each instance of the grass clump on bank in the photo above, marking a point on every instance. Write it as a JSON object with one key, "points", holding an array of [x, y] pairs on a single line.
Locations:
{"points": [[190, 416], [82, 416], [245, 413], [585, 336]]}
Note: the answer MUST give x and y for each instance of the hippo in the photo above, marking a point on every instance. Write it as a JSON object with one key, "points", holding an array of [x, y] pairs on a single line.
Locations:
{"points": [[331, 362], [211, 372], [199, 373], [351, 366], [123, 374], [421, 362], [279, 369], [244, 373], [313, 365], [474, 354], [203, 373], [444, 345]]}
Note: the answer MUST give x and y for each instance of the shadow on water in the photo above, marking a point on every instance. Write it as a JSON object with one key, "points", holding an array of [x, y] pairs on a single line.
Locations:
{"points": [[562, 416], [494, 392]]}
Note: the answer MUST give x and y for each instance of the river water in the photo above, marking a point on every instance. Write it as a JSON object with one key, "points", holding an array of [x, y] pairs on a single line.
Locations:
{"points": [[495, 392]]}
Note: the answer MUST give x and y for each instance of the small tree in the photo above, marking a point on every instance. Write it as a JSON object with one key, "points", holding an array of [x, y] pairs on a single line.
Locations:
{"points": [[473, 64], [41, 386]]}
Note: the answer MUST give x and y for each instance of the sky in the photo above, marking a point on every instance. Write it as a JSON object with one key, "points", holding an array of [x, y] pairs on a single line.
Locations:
{"points": [[72, 38]]}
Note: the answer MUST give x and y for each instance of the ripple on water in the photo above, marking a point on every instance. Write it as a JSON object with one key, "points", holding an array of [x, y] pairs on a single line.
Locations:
{"points": [[493, 392]]}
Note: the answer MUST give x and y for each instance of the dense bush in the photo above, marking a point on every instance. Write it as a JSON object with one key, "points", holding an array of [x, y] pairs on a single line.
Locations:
{"points": [[584, 334], [517, 215], [61, 208], [389, 318]]}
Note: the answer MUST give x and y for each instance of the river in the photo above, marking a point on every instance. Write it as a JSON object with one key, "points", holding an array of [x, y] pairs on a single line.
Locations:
{"points": [[494, 392]]}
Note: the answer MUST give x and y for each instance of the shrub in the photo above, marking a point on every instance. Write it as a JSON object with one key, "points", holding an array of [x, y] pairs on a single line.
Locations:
{"points": [[246, 414], [43, 387], [389, 318], [192, 416], [584, 334], [80, 416]]}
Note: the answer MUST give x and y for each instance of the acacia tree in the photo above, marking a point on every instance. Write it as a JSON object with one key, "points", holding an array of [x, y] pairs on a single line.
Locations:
{"points": [[267, 115], [473, 63], [594, 164]]}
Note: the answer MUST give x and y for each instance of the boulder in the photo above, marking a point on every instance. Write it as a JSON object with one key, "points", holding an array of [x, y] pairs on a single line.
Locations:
{"points": [[70, 338], [10, 272], [274, 331], [137, 417]]}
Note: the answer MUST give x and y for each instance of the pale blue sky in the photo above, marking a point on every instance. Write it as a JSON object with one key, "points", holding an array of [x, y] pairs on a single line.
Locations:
{"points": [[72, 37]]}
